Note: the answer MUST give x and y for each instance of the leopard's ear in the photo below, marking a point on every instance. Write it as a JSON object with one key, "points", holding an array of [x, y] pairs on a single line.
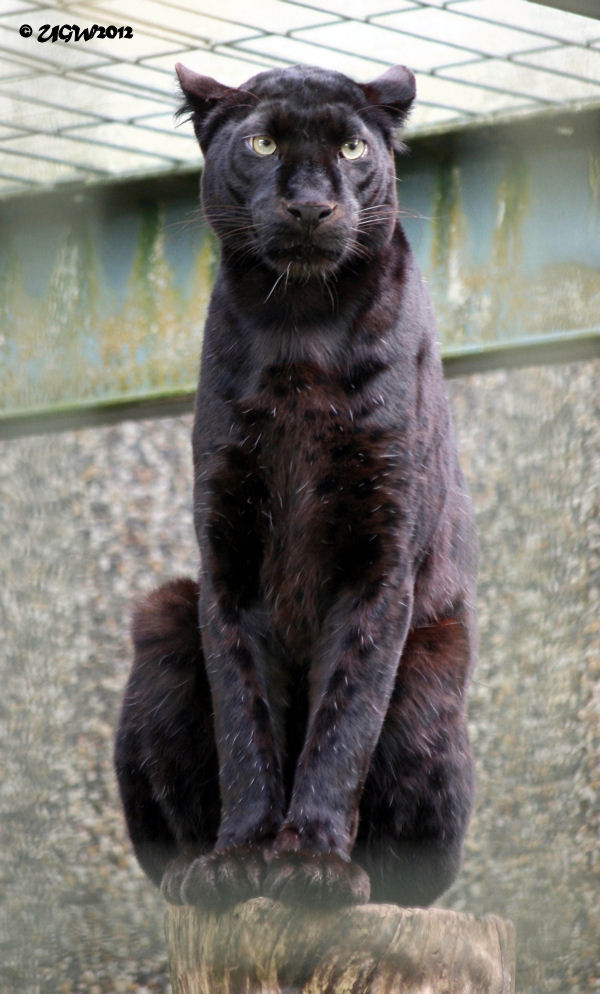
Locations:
{"points": [[392, 93], [202, 95], [201, 92]]}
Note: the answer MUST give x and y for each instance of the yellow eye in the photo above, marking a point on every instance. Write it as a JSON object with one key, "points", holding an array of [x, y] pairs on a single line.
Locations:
{"points": [[263, 145], [353, 149]]}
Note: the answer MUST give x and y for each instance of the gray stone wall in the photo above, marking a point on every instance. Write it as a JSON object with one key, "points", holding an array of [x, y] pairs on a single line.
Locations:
{"points": [[90, 518]]}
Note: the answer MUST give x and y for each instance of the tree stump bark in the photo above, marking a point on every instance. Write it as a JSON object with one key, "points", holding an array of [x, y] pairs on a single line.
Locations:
{"points": [[262, 947]]}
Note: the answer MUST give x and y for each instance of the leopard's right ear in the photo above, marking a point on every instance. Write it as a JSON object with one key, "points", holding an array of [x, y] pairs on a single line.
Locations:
{"points": [[391, 96], [202, 95]]}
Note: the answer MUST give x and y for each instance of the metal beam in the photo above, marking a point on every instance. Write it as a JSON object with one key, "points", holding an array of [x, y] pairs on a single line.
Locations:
{"points": [[587, 8]]}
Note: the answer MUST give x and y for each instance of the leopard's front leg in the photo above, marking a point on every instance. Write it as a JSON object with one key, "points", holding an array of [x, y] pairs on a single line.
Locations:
{"points": [[352, 685], [250, 778]]}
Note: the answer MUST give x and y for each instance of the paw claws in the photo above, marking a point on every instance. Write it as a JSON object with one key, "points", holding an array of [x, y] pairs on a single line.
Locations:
{"points": [[316, 878], [219, 879]]}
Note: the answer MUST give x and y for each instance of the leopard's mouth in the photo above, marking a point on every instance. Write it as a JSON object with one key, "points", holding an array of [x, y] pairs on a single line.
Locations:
{"points": [[303, 254]]}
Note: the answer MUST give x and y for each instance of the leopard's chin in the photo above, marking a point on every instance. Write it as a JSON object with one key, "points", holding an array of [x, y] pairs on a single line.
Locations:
{"points": [[306, 264], [304, 270]]}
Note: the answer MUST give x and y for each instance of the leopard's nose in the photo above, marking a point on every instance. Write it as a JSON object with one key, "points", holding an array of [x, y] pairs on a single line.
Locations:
{"points": [[308, 213]]}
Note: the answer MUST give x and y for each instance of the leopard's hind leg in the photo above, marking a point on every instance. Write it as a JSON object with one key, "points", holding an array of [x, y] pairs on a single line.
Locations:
{"points": [[418, 794], [165, 753]]}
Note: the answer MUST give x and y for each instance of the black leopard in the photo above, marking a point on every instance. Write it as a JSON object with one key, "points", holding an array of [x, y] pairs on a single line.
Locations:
{"points": [[294, 722]]}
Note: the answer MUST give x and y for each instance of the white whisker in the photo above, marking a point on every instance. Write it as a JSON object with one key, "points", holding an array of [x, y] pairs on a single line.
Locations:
{"points": [[277, 281]]}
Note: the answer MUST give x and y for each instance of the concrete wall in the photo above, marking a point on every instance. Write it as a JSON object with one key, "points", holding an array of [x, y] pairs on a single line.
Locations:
{"points": [[88, 518]]}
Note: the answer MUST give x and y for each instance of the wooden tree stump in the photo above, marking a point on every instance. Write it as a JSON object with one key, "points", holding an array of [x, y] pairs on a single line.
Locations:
{"points": [[262, 947]]}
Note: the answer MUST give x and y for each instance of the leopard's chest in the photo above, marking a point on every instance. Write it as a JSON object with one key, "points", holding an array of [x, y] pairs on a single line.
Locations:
{"points": [[309, 501], [296, 459]]}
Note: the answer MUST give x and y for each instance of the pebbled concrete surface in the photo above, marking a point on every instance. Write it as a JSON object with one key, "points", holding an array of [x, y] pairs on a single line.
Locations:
{"points": [[89, 518]]}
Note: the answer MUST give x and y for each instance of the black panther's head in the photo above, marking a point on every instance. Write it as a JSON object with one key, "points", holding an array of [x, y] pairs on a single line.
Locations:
{"points": [[299, 170]]}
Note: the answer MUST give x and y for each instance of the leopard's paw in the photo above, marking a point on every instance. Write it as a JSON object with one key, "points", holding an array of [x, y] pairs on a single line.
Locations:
{"points": [[318, 879], [220, 879]]}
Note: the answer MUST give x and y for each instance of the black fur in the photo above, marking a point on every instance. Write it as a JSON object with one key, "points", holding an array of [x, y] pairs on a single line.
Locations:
{"points": [[294, 725]]}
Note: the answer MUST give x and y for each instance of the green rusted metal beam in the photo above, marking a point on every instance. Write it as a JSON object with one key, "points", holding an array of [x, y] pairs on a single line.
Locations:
{"points": [[103, 291], [93, 414]]}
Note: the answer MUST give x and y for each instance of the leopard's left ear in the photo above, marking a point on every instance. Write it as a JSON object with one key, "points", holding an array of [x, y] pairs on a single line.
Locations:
{"points": [[393, 93], [202, 96]]}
